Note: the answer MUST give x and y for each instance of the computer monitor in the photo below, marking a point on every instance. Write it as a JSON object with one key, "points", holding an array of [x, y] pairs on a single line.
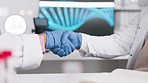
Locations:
{"points": [[94, 17]]}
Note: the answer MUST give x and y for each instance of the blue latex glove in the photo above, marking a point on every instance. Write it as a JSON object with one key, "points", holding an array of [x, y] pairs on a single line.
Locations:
{"points": [[53, 39], [75, 38], [53, 42], [65, 50]]}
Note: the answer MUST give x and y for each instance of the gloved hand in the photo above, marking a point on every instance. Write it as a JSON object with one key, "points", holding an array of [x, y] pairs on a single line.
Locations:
{"points": [[64, 50], [75, 38], [53, 42]]}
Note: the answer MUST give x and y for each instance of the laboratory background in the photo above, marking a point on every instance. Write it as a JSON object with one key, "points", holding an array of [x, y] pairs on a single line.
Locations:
{"points": [[45, 19], [124, 12]]}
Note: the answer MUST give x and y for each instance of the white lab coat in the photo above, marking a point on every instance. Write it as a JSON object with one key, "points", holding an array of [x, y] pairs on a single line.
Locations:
{"points": [[127, 41], [26, 49]]}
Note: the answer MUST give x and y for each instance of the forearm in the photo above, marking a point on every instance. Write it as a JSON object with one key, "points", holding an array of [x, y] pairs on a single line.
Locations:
{"points": [[32, 51], [111, 46], [102, 47]]}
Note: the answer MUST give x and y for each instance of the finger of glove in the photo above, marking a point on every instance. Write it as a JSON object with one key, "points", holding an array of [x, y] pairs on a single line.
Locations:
{"points": [[57, 35], [71, 45], [68, 47], [55, 50], [65, 36], [58, 51], [65, 49], [61, 53]]}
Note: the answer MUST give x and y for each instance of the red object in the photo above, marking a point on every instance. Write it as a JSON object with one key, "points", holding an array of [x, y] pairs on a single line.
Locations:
{"points": [[5, 54]]}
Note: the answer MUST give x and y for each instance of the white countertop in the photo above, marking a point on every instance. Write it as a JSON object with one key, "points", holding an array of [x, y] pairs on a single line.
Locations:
{"points": [[117, 76]]}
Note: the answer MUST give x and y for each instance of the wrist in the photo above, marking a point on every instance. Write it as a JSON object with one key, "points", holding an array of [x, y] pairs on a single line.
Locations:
{"points": [[42, 41], [79, 43]]}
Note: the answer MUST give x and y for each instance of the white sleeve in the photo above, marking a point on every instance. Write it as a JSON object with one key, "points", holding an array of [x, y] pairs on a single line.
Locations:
{"points": [[111, 46], [26, 50], [32, 52]]}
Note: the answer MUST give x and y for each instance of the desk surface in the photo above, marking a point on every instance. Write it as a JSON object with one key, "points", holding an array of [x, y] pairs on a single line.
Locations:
{"points": [[117, 76], [75, 56]]}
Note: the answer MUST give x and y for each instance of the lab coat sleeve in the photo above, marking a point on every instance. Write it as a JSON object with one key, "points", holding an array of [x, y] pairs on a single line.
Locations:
{"points": [[115, 45], [32, 52], [26, 50]]}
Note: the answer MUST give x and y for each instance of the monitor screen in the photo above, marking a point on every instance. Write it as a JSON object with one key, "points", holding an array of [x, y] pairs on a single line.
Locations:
{"points": [[93, 17]]}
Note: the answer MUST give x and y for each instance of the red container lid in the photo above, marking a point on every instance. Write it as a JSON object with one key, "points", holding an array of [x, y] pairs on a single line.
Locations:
{"points": [[5, 54]]}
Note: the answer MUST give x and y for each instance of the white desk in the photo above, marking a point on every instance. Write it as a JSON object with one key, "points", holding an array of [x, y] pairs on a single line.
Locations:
{"points": [[117, 76]]}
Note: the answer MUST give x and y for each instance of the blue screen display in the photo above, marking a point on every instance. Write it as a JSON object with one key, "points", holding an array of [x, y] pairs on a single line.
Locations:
{"points": [[92, 20]]}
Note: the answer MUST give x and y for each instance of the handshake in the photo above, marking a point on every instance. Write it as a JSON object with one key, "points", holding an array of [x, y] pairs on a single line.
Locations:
{"points": [[62, 42]]}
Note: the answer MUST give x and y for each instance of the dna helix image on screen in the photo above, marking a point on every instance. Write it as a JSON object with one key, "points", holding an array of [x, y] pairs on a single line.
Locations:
{"points": [[69, 18]]}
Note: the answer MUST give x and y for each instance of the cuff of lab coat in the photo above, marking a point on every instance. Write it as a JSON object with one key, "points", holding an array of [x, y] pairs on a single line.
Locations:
{"points": [[32, 55], [84, 46]]}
